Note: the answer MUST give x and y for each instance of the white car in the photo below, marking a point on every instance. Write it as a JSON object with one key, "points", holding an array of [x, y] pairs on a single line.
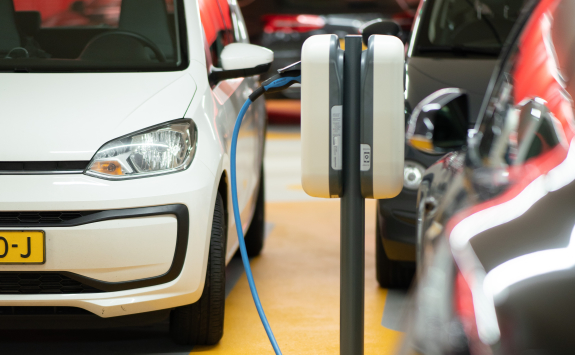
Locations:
{"points": [[114, 159]]}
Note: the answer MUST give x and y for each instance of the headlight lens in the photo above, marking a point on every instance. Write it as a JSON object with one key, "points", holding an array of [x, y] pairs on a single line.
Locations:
{"points": [[412, 174], [158, 150]]}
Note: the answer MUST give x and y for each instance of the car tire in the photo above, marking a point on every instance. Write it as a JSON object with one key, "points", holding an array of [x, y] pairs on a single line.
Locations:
{"points": [[202, 323], [390, 273], [255, 235]]}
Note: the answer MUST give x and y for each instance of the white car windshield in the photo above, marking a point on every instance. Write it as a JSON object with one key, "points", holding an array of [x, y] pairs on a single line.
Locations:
{"points": [[91, 35]]}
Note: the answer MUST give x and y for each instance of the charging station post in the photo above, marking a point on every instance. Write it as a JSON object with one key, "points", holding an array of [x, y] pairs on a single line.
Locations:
{"points": [[352, 208], [352, 134], [367, 115]]}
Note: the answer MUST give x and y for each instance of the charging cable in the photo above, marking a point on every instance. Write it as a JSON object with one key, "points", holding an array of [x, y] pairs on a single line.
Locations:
{"points": [[287, 77]]}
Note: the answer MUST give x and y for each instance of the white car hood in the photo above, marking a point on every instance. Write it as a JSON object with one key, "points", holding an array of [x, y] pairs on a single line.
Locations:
{"points": [[67, 117]]}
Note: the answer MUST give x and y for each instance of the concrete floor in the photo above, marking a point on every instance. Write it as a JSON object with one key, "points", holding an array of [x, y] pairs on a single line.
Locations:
{"points": [[297, 277]]}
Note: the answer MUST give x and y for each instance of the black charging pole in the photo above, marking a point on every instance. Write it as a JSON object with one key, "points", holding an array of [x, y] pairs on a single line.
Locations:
{"points": [[352, 273]]}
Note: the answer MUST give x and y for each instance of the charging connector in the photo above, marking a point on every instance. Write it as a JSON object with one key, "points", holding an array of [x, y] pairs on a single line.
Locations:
{"points": [[284, 79]]}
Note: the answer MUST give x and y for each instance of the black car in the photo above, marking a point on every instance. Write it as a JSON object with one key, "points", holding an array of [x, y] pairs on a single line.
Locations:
{"points": [[497, 213], [454, 44]]}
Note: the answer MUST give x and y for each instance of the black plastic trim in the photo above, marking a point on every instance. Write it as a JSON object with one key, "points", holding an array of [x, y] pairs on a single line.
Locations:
{"points": [[394, 228], [183, 219], [58, 318], [42, 167], [218, 75], [34, 218]]}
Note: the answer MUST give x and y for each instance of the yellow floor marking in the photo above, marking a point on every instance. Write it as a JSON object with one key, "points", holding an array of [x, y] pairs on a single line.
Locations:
{"points": [[298, 281], [296, 187], [342, 44], [378, 339], [283, 135]]}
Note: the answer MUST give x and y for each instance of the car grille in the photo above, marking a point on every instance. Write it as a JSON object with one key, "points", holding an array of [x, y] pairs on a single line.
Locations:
{"points": [[42, 167], [42, 217], [30, 283]]}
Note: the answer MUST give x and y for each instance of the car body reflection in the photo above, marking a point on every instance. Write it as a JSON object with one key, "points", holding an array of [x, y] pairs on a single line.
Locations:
{"points": [[497, 269]]}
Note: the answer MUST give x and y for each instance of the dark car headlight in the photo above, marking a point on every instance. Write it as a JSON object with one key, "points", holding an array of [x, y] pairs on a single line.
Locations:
{"points": [[412, 174]]}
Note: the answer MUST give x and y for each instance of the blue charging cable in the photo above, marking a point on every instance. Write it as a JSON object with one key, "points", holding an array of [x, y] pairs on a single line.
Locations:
{"points": [[287, 77]]}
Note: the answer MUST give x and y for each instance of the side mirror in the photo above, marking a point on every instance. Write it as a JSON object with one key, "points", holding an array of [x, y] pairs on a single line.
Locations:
{"points": [[380, 27], [241, 60], [439, 123]]}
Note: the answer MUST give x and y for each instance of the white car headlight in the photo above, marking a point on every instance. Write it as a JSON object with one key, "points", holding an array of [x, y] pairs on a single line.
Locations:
{"points": [[412, 174], [162, 149]]}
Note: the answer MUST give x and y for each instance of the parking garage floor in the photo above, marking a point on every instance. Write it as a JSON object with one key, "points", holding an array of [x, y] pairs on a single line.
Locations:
{"points": [[297, 277]]}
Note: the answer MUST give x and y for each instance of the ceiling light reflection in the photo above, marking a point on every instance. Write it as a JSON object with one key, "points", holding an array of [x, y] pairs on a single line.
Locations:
{"points": [[479, 222], [494, 216], [529, 265]]}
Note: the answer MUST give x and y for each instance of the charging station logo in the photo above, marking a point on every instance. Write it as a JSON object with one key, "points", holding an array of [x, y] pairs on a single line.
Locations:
{"points": [[365, 157], [336, 146]]}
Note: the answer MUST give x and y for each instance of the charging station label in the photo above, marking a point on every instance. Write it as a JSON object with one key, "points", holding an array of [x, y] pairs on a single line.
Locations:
{"points": [[336, 145], [365, 157]]}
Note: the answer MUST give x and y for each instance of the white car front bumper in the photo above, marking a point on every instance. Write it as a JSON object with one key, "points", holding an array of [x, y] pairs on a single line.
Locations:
{"points": [[145, 248]]}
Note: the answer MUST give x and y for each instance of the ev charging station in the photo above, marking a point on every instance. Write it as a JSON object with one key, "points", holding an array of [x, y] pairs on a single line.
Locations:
{"points": [[352, 132]]}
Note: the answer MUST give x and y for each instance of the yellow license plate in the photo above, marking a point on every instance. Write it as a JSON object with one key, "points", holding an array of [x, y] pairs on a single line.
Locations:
{"points": [[22, 247]]}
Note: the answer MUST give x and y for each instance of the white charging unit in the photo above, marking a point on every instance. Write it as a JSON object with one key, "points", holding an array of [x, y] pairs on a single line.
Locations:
{"points": [[321, 116], [382, 117]]}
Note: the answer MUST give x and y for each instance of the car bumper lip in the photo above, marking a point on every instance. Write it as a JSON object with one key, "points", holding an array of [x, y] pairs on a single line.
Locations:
{"points": [[398, 218], [186, 195], [182, 216]]}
